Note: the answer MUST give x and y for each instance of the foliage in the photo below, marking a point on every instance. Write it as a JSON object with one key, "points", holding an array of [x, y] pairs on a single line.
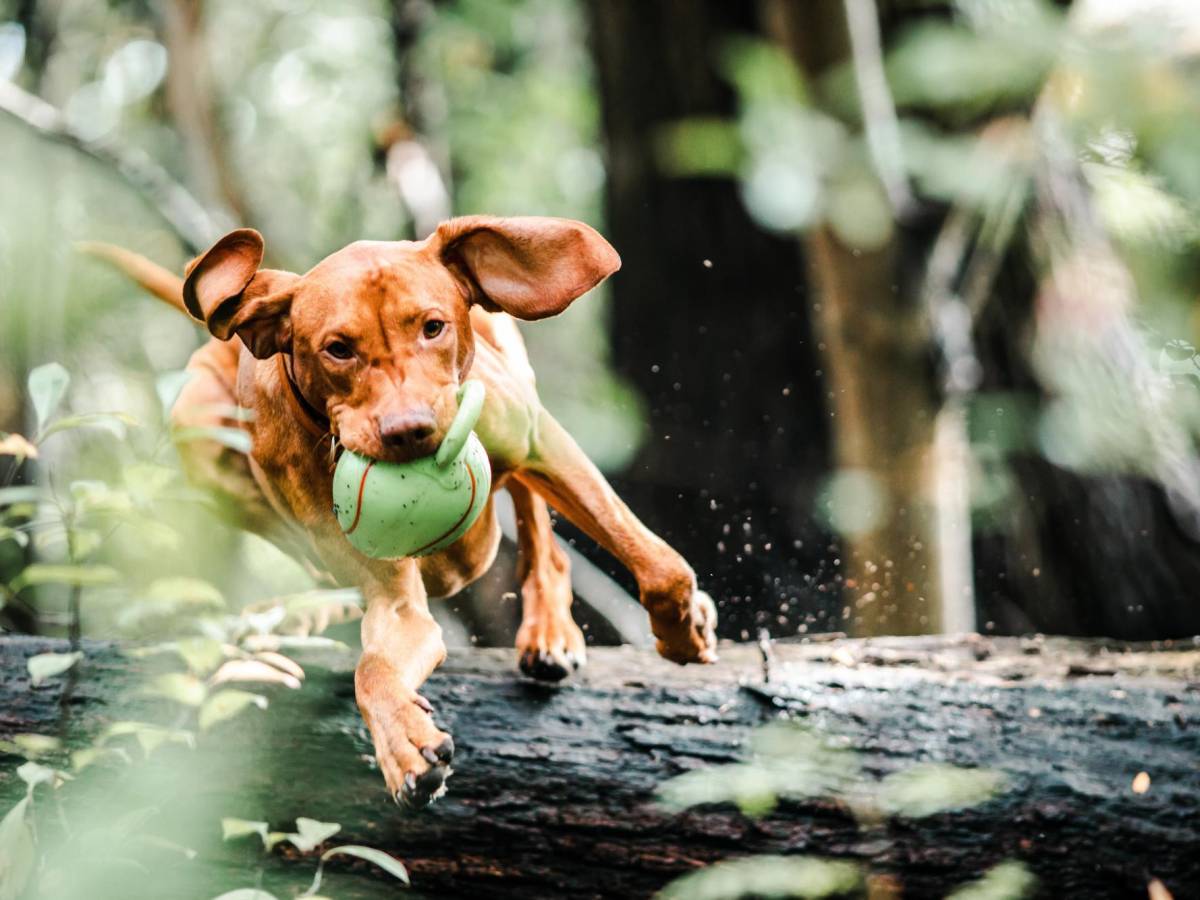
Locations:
{"points": [[198, 676], [766, 876], [792, 762]]}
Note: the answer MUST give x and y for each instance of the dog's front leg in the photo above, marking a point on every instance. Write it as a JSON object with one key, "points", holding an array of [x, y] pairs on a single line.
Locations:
{"points": [[682, 617], [402, 645], [549, 644]]}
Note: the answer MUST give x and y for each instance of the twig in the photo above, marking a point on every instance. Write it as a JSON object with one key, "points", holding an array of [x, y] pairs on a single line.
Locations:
{"points": [[181, 211], [766, 653], [878, 109]]}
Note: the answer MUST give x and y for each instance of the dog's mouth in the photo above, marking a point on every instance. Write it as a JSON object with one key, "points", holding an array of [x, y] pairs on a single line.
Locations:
{"points": [[416, 449], [376, 449]]}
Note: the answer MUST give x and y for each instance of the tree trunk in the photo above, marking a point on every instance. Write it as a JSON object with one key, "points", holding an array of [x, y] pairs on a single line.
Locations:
{"points": [[710, 323], [884, 405], [553, 794]]}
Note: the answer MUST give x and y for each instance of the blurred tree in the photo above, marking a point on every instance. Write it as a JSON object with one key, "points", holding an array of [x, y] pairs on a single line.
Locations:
{"points": [[710, 322], [194, 111], [940, 236], [877, 341]]}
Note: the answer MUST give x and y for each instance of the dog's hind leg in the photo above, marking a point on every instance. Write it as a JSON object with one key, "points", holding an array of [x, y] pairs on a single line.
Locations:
{"points": [[549, 644], [208, 402]]}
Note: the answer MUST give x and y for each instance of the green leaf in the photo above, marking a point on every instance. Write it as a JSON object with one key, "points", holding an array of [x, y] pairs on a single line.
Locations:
{"points": [[928, 789], [389, 864], [232, 828], [234, 438], [790, 762], [99, 496], [753, 788], [81, 759], [149, 737], [274, 838], [145, 482], [201, 655], [167, 597], [16, 852], [168, 386], [255, 670], [179, 687], [21, 493], [47, 665], [162, 843], [1007, 881], [114, 423], [766, 876], [226, 705], [699, 147], [85, 541], [32, 746], [940, 66], [47, 386], [762, 72], [11, 534], [187, 591], [310, 833], [65, 573], [34, 774], [259, 642]]}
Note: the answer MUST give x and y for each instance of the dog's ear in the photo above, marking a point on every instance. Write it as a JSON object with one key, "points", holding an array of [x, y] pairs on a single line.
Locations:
{"points": [[530, 267], [228, 292]]}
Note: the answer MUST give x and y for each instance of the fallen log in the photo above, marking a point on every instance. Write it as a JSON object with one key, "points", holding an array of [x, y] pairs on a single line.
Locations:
{"points": [[554, 789]]}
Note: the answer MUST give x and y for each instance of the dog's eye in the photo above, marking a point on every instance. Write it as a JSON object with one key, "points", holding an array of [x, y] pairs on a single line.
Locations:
{"points": [[433, 328], [339, 350]]}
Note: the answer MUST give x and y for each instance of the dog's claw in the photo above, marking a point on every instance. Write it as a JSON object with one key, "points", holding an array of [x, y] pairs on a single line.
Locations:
{"points": [[421, 790], [544, 667], [440, 755], [423, 703]]}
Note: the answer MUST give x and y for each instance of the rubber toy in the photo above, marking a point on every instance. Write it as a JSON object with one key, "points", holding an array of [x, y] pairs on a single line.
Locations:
{"points": [[393, 510]]}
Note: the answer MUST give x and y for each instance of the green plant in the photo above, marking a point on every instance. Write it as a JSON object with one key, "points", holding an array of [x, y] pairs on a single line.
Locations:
{"points": [[212, 665], [789, 762]]}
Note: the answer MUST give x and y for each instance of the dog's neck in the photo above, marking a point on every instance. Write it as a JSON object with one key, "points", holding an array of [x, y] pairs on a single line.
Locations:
{"points": [[312, 419]]}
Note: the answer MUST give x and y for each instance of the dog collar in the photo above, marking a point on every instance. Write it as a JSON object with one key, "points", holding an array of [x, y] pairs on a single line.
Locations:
{"points": [[314, 422]]}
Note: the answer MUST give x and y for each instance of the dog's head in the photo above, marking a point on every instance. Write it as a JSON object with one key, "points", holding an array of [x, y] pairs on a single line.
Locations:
{"points": [[380, 332]]}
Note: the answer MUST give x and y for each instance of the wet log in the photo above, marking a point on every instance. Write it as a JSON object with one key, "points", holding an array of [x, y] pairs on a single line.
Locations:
{"points": [[554, 789]]}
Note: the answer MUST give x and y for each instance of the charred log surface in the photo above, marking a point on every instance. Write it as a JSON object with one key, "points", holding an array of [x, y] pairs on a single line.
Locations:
{"points": [[553, 794]]}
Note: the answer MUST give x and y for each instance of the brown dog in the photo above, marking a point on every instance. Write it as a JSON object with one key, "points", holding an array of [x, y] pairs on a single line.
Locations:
{"points": [[367, 350]]}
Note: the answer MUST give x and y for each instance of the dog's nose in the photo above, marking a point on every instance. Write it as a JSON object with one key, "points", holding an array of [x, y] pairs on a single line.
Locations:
{"points": [[406, 429]]}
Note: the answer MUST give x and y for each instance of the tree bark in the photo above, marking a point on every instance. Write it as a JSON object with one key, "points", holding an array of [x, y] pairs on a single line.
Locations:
{"points": [[553, 793]]}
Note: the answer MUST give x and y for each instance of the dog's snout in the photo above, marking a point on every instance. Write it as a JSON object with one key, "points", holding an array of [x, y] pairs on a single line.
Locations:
{"points": [[406, 429]]}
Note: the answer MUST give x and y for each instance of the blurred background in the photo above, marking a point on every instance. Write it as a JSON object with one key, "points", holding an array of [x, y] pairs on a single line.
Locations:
{"points": [[902, 343]]}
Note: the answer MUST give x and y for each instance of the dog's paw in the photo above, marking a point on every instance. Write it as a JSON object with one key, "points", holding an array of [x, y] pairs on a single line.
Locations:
{"points": [[693, 637], [412, 753], [551, 648]]}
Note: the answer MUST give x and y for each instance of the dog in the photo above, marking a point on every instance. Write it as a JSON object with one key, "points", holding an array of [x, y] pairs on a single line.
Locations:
{"points": [[366, 351]]}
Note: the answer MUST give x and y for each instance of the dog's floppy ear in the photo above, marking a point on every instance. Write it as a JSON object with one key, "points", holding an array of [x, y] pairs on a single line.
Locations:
{"points": [[529, 266], [228, 292]]}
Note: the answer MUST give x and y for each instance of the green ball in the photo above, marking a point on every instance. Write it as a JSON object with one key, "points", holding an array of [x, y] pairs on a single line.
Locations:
{"points": [[394, 510]]}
